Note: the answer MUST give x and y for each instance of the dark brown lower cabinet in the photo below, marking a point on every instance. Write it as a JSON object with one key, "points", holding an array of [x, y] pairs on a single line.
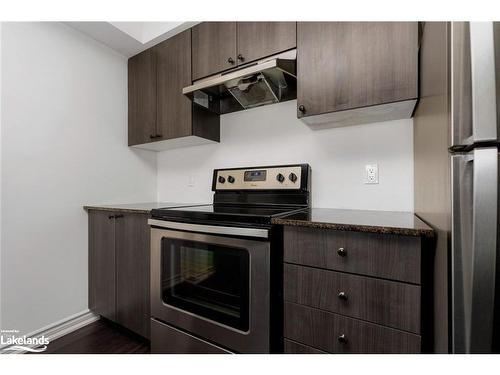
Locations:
{"points": [[389, 303], [132, 273], [119, 268], [102, 264], [292, 347], [353, 292], [336, 333]]}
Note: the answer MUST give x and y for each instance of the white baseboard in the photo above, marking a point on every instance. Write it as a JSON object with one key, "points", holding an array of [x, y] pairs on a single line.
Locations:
{"points": [[58, 329]]}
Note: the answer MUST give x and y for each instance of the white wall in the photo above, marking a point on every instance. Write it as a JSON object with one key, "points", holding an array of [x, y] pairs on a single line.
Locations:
{"points": [[63, 145], [273, 135]]}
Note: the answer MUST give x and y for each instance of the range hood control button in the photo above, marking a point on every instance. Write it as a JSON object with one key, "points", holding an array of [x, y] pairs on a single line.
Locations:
{"points": [[280, 178], [222, 179], [230, 179], [292, 177]]}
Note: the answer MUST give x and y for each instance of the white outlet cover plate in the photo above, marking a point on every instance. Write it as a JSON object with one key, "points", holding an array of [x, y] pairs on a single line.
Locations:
{"points": [[371, 174]]}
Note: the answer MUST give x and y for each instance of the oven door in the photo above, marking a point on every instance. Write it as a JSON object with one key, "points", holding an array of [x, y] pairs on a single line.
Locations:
{"points": [[213, 286]]}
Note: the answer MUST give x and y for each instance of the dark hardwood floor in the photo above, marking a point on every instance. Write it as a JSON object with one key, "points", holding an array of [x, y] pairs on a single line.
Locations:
{"points": [[100, 337]]}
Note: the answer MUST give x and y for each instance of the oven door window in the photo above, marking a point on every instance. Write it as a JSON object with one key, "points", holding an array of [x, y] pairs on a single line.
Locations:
{"points": [[206, 279]]}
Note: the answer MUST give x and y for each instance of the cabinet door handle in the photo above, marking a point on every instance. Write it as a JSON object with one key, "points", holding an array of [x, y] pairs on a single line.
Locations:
{"points": [[230, 60], [342, 296], [111, 217], [240, 57], [342, 339], [341, 252], [118, 216], [158, 136], [152, 136]]}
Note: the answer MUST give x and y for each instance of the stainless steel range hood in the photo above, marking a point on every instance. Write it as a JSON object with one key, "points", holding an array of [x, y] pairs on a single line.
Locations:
{"points": [[267, 81]]}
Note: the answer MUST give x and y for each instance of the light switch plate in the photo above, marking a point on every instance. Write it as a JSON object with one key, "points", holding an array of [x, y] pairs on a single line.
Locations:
{"points": [[371, 174]]}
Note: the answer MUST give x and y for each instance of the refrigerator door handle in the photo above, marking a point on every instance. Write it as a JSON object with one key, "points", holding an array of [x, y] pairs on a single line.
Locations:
{"points": [[484, 111], [484, 248], [461, 242]]}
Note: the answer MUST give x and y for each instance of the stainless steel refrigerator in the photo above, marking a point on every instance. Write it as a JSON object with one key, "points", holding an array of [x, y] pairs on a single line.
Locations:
{"points": [[459, 113]]}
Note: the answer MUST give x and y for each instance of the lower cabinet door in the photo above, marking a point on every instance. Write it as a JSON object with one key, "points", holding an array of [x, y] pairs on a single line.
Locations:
{"points": [[335, 333], [169, 340], [132, 272], [102, 263]]}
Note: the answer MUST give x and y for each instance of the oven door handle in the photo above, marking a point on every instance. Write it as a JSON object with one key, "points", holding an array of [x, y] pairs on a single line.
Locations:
{"points": [[213, 229]]}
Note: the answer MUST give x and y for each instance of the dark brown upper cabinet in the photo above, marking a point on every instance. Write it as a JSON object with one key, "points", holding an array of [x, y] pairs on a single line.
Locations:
{"points": [[356, 72], [173, 116], [214, 48], [219, 46], [141, 97], [160, 116], [261, 39]]}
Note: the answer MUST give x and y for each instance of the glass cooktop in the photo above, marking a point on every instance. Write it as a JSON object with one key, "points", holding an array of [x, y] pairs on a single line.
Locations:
{"points": [[246, 214]]}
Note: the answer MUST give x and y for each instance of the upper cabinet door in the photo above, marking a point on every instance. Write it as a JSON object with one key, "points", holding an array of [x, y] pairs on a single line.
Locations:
{"points": [[214, 48], [348, 65], [141, 97], [257, 40], [174, 113]]}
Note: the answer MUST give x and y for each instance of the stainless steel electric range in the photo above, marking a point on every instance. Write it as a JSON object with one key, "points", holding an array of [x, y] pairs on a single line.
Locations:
{"points": [[216, 270]]}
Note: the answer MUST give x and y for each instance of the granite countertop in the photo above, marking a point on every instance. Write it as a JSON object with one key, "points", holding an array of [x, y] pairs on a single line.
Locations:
{"points": [[389, 222], [136, 207]]}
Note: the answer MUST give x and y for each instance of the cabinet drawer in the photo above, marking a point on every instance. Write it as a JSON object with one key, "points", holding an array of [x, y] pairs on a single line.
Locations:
{"points": [[382, 255], [292, 347], [324, 330], [384, 302]]}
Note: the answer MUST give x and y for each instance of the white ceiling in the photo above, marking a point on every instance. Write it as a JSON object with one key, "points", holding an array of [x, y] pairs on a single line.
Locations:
{"points": [[130, 38]]}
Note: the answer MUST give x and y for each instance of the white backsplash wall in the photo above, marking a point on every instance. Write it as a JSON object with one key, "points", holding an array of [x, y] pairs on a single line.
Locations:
{"points": [[273, 135]]}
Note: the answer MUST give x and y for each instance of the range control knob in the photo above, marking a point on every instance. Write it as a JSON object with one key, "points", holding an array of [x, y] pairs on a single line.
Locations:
{"points": [[292, 177], [222, 179], [280, 178], [230, 179]]}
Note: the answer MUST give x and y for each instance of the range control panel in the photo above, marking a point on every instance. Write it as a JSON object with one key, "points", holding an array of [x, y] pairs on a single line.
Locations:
{"points": [[266, 178]]}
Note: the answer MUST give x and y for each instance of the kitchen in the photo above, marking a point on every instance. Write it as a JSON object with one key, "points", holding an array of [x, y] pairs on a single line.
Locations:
{"points": [[251, 187]]}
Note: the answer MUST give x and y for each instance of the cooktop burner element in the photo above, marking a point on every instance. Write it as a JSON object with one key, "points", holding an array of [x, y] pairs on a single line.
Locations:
{"points": [[248, 196]]}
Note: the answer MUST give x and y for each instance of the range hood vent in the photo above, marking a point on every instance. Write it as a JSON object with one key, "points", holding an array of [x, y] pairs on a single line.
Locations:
{"points": [[267, 81]]}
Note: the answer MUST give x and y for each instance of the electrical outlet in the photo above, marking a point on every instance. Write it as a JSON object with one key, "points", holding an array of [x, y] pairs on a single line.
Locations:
{"points": [[371, 174]]}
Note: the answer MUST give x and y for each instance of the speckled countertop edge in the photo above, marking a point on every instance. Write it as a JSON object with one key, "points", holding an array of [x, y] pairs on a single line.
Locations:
{"points": [[355, 228], [144, 208], [136, 210]]}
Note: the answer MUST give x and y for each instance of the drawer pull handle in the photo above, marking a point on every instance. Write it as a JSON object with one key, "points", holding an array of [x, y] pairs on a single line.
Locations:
{"points": [[343, 296], [342, 339], [342, 252]]}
